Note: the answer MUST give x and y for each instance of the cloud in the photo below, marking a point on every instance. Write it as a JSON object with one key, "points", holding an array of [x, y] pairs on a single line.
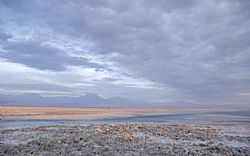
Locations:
{"points": [[4, 36], [74, 81], [197, 50], [41, 57]]}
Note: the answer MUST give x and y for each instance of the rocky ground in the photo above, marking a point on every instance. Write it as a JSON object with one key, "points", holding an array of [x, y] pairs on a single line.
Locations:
{"points": [[123, 139]]}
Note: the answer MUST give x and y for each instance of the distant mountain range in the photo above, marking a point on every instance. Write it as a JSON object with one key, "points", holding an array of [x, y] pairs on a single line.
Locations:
{"points": [[88, 100], [93, 100]]}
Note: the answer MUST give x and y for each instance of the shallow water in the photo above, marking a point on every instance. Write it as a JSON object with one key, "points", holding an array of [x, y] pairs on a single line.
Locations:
{"points": [[193, 117], [238, 113]]}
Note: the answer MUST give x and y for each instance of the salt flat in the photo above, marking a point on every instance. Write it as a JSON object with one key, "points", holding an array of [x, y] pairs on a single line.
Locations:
{"points": [[125, 139], [123, 131]]}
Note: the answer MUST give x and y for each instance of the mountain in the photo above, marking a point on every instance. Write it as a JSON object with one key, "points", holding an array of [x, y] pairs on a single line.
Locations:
{"points": [[93, 100], [88, 100]]}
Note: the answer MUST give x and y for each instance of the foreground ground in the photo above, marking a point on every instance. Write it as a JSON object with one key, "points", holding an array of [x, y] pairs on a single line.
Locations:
{"points": [[126, 139]]}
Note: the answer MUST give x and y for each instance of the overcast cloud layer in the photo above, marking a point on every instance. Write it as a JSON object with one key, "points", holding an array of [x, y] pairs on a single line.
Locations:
{"points": [[163, 51]]}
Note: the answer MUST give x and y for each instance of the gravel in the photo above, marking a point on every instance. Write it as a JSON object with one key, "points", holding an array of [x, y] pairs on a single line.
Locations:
{"points": [[123, 139]]}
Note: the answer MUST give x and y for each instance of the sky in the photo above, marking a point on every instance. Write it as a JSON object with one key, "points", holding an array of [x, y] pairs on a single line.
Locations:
{"points": [[162, 51]]}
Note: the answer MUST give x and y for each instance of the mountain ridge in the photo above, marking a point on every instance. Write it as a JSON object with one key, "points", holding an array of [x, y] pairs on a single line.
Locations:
{"points": [[87, 100]]}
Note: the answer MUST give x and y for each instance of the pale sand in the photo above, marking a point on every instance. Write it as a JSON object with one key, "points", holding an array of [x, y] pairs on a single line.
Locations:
{"points": [[65, 113]]}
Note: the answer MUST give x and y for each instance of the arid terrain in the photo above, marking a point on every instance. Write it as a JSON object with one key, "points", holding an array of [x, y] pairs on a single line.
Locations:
{"points": [[129, 132], [70, 113], [125, 139], [54, 113]]}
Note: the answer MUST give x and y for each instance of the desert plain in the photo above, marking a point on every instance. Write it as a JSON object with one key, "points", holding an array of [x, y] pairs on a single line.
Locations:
{"points": [[224, 134], [69, 113]]}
